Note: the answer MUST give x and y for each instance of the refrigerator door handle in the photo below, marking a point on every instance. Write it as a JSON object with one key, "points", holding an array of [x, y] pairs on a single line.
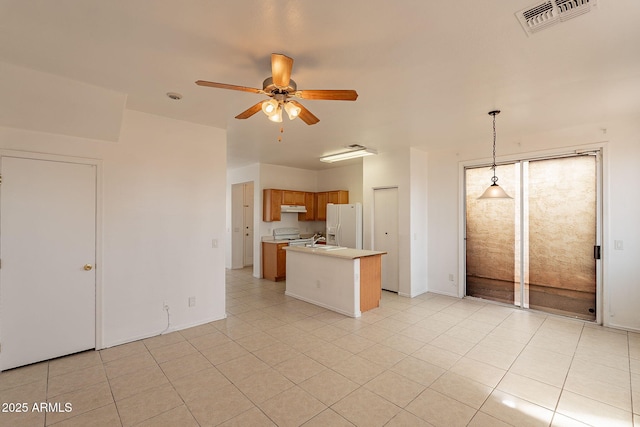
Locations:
{"points": [[338, 235]]}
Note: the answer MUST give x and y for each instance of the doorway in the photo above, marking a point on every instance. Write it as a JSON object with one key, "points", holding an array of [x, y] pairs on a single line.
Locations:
{"points": [[540, 249], [385, 234], [48, 246], [242, 225]]}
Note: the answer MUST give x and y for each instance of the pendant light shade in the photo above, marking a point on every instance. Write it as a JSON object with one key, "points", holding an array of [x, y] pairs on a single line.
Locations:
{"points": [[277, 115], [292, 110], [270, 107], [494, 191]]}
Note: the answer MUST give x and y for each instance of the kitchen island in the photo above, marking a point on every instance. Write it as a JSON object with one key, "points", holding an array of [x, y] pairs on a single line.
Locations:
{"points": [[341, 279]]}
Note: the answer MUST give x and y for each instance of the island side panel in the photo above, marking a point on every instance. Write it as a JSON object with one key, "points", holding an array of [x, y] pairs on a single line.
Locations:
{"points": [[370, 282], [329, 282]]}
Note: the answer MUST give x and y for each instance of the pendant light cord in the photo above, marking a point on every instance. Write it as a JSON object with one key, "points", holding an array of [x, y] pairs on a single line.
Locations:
{"points": [[493, 166]]}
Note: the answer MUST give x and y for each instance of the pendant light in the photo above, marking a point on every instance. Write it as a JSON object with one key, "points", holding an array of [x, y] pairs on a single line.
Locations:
{"points": [[494, 191]]}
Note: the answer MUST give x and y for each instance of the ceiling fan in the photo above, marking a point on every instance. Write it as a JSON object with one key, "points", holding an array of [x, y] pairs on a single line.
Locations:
{"points": [[280, 88]]}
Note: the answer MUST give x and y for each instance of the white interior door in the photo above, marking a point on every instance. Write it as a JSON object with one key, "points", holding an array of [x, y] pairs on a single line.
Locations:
{"points": [[248, 223], [385, 234], [48, 250]]}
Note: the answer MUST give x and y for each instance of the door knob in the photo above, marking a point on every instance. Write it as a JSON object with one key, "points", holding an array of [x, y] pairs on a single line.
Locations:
{"points": [[88, 267]]}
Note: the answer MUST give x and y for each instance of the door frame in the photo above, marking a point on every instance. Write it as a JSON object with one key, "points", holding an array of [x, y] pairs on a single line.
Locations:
{"points": [[237, 252], [602, 226], [98, 231]]}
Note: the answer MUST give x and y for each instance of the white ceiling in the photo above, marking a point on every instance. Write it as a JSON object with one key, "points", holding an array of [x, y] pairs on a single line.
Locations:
{"points": [[426, 72]]}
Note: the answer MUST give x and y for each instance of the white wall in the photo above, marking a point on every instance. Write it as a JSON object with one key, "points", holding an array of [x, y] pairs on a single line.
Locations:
{"points": [[343, 178], [419, 224], [621, 210], [406, 169], [163, 184], [390, 170], [43, 102]]}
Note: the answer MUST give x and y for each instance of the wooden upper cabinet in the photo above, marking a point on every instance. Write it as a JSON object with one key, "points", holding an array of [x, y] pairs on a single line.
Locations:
{"points": [[321, 206], [271, 201], [316, 203], [310, 205], [338, 197], [295, 198]]}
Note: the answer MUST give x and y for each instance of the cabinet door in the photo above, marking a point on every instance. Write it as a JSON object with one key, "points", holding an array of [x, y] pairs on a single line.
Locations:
{"points": [[310, 205], [293, 198], [282, 261], [338, 197], [269, 261], [271, 201], [321, 206]]}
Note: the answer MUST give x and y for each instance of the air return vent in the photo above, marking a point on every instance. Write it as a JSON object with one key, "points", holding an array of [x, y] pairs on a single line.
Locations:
{"points": [[547, 13]]}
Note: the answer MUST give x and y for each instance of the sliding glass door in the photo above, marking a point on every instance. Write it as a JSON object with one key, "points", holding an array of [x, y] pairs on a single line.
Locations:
{"points": [[538, 249], [491, 236]]}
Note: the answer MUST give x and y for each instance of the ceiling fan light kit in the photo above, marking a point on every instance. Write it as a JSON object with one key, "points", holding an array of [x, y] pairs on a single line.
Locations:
{"points": [[280, 88], [346, 155]]}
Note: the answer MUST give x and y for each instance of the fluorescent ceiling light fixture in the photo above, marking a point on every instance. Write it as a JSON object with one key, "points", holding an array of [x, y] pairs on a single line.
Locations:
{"points": [[361, 152]]}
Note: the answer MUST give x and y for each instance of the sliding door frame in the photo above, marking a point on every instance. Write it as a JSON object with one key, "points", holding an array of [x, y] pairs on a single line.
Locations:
{"points": [[602, 203]]}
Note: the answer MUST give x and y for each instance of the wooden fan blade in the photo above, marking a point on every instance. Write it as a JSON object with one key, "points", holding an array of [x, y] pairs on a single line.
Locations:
{"points": [[281, 69], [306, 115], [250, 111], [331, 95], [227, 86]]}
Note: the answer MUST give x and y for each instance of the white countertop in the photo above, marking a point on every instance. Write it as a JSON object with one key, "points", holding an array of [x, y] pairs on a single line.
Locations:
{"points": [[272, 240], [337, 252]]}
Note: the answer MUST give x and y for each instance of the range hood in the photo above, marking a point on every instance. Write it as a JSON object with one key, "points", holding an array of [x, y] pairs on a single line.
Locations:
{"points": [[293, 208]]}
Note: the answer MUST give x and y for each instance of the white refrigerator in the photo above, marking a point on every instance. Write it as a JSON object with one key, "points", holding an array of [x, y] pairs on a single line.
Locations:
{"points": [[344, 225]]}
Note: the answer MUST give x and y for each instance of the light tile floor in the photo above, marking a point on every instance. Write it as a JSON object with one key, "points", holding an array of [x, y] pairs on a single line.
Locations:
{"points": [[426, 361]]}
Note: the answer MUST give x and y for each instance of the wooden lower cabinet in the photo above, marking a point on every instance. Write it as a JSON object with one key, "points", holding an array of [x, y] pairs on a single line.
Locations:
{"points": [[370, 282], [274, 261]]}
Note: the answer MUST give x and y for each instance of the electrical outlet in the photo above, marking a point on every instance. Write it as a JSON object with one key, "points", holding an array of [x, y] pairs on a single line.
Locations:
{"points": [[192, 301], [214, 243], [451, 277]]}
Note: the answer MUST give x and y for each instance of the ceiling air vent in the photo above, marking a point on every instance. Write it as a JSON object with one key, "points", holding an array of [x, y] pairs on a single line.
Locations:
{"points": [[545, 14]]}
